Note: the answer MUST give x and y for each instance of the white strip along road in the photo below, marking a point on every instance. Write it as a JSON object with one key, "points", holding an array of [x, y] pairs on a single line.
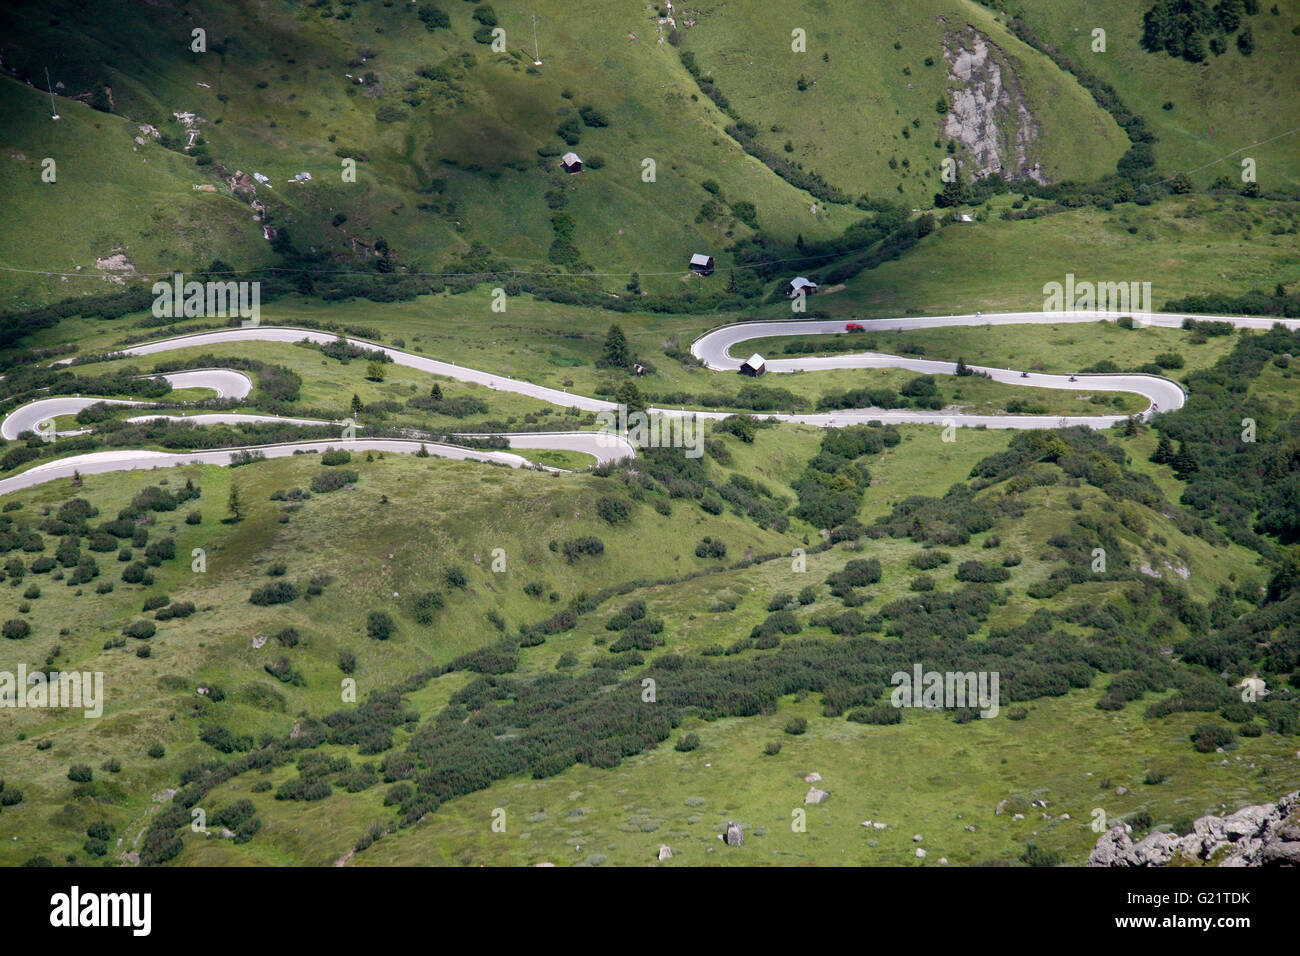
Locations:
{"points": [[227, 383], [712, 348], [132, 459]]}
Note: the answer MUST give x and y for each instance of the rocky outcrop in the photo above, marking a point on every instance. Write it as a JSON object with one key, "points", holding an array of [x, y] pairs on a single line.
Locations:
{"points": [[1264, 835], [989, 112]]}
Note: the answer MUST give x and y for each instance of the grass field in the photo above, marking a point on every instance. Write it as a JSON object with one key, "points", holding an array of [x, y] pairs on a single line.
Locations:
{"points": [[1219, 108]]}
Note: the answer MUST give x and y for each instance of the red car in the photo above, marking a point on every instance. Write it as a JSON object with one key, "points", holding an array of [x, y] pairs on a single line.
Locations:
{"points": [[854, 327]]}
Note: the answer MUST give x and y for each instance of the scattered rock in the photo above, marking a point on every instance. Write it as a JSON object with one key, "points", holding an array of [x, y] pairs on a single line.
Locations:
{"points": [[1262, 835], [813, 777], [920, 854], [1120, 791], [665, 853], [815, 796], [734, 835]]}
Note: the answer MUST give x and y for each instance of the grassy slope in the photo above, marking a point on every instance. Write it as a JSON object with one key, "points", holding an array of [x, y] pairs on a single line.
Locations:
{"points": [[848, 123], [1182, 247], [929, 775], [111, 196], [1220, 106], [479, 131], [439, 514]]}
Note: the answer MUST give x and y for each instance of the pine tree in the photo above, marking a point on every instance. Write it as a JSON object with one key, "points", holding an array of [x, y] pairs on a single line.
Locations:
{"points": [[435, 393], [356, 406], [634, 283], [616, 354], [1164, 452], [1130, 427], [423, 452], [962, 367], [733, 286], [1183, 463], [235, 503], [628, 394]]}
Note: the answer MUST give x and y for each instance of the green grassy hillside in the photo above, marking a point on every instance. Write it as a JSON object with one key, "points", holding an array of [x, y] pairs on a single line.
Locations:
{"points": [[1219, 108], [868, 73]]}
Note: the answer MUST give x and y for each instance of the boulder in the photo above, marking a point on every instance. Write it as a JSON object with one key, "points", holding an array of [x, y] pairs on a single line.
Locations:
{"points": [[734, 836], [815, 796]]}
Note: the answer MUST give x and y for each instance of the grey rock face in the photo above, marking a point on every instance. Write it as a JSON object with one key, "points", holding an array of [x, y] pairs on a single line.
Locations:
{"points": [[1267, 834]]}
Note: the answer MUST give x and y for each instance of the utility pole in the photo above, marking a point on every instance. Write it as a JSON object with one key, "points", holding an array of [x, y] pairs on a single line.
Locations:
{"points": [[54, 111]]}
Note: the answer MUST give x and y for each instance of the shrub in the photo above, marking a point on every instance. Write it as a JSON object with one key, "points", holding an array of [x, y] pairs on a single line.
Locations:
{"points": [[277, 592], [15, 629], [771, 748], [426, 605], [141, 630], [1209, 737], [455, 578], [795, 726], [575, 548], [156, 751], [779, 601], [336, 456], [80, 773], [347, 662], [711, 548], [879, 714], [687, 743], [1034, 854], [929, 559], [379, 625], [327, 481], [977, 572], [613, 509], [808, 595]]}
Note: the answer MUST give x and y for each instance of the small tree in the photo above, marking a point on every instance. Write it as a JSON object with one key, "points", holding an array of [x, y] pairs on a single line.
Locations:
{"points": [[1164, 452], [616, 353], [1130, 427], [356, 406], [435, 393], [628, 394], [962, 367], [1183, 463], [634, 284], [235, 503], [423, 452], [375, 371]]}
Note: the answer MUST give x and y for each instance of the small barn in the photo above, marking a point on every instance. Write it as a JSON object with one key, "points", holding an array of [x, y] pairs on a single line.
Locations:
{"points": [[800, 284], [571, 163], [702, 264], [754, 366]]}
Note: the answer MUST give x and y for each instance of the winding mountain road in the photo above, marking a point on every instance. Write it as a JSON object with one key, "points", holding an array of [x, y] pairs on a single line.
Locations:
{"points": [[713, 349]]}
